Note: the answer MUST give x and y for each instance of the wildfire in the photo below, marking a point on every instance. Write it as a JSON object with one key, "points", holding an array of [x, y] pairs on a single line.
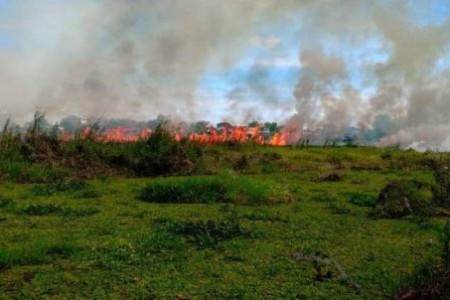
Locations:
{"points": [[212, 135]]}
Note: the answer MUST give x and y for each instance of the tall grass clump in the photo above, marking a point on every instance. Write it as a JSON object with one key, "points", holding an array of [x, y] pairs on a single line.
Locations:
{"points": [[10, 157], [35, 253], [159, 155], [214, 189], [209, 234], [30, 156], [5, 202], [441, 174], [185, 190], [70, 186]]}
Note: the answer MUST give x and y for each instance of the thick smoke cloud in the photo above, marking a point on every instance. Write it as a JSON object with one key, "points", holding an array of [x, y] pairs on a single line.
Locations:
{"points": [[117, 57], [139, 58], [407, 88]]}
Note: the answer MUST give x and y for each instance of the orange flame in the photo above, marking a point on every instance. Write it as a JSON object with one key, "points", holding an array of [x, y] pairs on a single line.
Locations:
{"points": [[237, 134]]}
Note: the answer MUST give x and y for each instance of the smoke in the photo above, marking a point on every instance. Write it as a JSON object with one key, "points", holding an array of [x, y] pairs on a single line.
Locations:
{"points": [[359, 62], [406, 85], [119, 58]]}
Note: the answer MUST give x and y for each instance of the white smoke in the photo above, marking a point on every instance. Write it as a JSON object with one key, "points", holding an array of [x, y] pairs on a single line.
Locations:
{"points": [[139, 58]]}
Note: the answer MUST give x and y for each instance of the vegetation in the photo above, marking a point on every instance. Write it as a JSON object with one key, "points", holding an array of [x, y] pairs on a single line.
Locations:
{"points": [[164, 220]]}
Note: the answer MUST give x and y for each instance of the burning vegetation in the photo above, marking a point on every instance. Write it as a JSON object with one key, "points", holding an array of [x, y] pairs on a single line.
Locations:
{"points": [[209, 134]]}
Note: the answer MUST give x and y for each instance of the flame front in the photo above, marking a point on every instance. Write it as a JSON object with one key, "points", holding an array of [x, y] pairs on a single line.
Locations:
{"points": [[212, 135]]}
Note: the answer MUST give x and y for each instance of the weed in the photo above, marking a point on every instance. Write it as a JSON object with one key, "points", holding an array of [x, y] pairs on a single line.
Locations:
{"points": [[324, 198], [160, 154], [70, 213], [242, 164], [114, 256], [224, 188], [265, 217], [340, 209], [70, 186], [330, 177], [6, 202], [361, 199], [160, 242], [36, 253], [441, 174], [190, 190], [88, 194], [209, 234], [40, 209], [339, 161], [446, 245]]}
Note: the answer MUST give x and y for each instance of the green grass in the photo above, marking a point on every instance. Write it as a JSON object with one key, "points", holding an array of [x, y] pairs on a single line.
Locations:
{"points": [[225, 187], [228, 233]]}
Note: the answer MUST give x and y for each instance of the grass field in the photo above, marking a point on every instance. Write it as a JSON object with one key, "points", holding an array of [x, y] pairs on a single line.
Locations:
{"points": [[256, 223]]}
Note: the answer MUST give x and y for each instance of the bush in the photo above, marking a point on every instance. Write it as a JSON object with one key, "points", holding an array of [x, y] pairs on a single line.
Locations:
{"points": [[406, 197], [427, 283], [159, 155]]}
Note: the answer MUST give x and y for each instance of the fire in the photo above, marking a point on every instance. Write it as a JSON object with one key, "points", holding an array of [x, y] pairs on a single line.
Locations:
{"points": [[278, 139], [212, 135], [121, 135]]}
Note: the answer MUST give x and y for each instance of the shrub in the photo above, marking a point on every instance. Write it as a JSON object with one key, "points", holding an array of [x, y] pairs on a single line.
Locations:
{"points": [[429, 282], [159, 155], [405, 197]]}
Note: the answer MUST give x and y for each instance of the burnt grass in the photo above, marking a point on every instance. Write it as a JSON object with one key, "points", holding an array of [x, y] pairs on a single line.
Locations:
{"points": [[160, 219]]}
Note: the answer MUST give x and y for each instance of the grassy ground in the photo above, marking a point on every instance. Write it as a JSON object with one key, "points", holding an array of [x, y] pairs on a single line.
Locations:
{"points": [[304, 238]]}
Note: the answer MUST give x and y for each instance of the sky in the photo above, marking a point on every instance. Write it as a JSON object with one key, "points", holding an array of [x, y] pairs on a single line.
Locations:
{"points": [[318, 62]]}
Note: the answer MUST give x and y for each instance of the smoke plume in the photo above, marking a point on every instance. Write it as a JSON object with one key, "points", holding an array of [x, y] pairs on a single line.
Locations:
{"points": [[379, 66]]}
